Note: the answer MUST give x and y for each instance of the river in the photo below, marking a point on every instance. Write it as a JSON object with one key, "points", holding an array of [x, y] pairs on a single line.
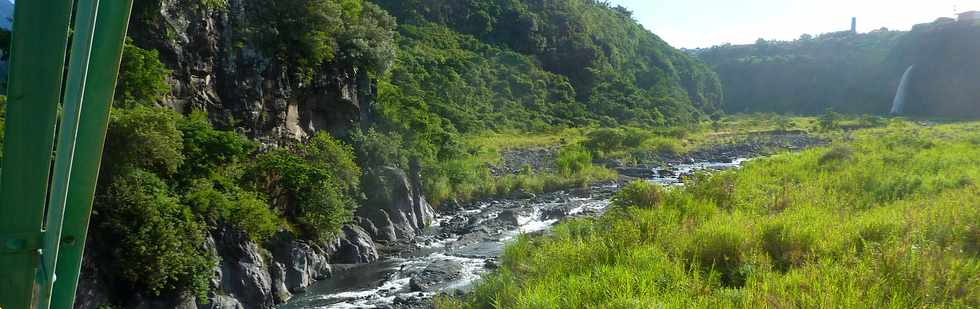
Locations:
{"points": [[463, 245]]}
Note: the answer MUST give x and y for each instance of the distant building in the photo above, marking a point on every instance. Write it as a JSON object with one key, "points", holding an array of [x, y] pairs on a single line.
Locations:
{"points": [[854, 24], [969, 16]]}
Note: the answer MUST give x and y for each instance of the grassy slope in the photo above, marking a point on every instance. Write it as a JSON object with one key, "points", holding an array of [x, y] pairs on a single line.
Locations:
{"points": [[886, 218]]}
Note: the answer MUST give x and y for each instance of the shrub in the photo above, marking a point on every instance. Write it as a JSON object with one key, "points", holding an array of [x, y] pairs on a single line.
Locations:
{"points": [[207, 150], [379, 149], [156, 240], [634, 137], [207, 201], [718, 188], [836, 154], [604, 141], [572, 160], [663, 145], [717, 248], [871, 121], [245, 211], [145, 138], [315, 185], [307, 33], [300, 32], [333, 159], [787, 246], [971, 240], [142, 78], [252, 214], [639, 193], [830, 120]]}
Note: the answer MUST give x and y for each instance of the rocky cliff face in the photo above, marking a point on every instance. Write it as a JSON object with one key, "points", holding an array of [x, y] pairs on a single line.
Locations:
{"points": [[218, 69], [947, 70]]}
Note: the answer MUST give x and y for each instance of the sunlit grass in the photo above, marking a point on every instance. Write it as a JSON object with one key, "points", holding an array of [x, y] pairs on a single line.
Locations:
{"points": [[888, 218]]}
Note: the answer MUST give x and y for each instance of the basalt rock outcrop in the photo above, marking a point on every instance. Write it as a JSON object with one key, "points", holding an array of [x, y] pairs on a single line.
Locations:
{"points": [[216, 67], [395, 208], [354, 247]]}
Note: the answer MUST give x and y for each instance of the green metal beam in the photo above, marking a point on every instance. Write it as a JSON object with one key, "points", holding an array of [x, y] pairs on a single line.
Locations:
{"points": [[107, 48], [37, 61], [86, 12]]}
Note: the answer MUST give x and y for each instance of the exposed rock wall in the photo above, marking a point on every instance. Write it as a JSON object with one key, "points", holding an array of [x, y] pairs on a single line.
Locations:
{"points": [[217, 68]]}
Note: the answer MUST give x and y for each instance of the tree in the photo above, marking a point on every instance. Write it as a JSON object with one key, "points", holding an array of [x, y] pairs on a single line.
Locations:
{"points": [[316, 185], [144, 138], [142, 78], [156, 240], [830, 120]]}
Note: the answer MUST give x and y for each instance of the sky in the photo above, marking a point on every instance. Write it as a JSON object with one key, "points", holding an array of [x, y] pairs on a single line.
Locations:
{"points": [[705, 23]]}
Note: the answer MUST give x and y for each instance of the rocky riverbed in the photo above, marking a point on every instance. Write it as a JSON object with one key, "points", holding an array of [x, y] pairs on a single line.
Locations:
{"points": [[464, 243]]}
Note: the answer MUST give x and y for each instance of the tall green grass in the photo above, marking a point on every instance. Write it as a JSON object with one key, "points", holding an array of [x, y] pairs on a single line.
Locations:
{"points": [[889, 218]]}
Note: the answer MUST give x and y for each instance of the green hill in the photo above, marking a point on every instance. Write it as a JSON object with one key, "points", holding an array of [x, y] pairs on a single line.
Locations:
{"points": [[619, 72]]}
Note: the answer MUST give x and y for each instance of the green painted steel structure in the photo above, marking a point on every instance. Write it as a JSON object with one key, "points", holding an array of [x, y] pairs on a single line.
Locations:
{"points": [[33, 254]]}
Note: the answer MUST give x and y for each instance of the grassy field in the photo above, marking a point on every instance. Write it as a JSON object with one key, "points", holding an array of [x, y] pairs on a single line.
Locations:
{"points": [[883, 218]]}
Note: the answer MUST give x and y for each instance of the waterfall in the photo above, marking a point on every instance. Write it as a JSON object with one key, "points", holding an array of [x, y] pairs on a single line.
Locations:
{"points": [[898, 106]]}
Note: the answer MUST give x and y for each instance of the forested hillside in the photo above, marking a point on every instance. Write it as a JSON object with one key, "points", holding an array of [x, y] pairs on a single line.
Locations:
{"points": [[619, 71], [856, 73]]}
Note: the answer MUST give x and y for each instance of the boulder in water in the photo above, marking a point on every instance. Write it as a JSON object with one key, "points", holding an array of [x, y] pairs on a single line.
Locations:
{"points": [[555, 213], [509, 217], [436, 273]]}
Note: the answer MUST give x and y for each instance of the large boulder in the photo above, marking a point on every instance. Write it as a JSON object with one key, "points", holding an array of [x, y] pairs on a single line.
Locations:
{"points": [[279, 290], [511, 217], [436, 275], [395, 204], [221, 302], [354, 246], [245, 273], [303, 262]]}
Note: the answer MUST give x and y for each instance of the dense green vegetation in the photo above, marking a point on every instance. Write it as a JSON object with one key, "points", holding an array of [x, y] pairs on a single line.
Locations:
{"points": [[169, 179], [308, 33], [619, 72], [885, 219]]}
